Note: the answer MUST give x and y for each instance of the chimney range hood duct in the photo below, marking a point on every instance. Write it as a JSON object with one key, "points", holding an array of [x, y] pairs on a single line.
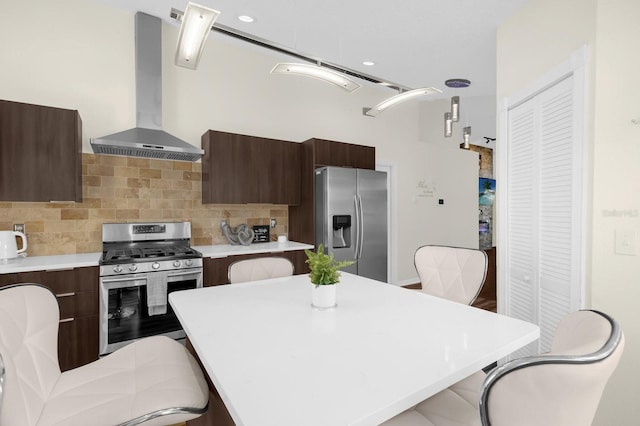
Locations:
{"points": [[147, 139]]}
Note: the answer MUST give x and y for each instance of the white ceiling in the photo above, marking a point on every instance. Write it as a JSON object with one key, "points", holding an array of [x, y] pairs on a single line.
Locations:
{"points": [[414, 43]]}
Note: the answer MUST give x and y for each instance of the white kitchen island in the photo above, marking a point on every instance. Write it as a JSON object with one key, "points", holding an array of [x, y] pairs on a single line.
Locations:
{"points": [[275, 360]]}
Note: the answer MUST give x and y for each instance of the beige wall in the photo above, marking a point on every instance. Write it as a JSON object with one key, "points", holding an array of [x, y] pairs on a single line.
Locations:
{"points": [[616, 187], [78, 54], [538, 38]]}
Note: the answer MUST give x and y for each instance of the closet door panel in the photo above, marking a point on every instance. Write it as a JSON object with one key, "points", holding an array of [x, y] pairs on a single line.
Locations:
{"points": [[544, 210], [556, 212], [522, 296]]}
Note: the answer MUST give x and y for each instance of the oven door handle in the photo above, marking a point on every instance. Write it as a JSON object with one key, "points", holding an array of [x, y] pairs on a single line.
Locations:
{"points": [[183, 273], [141, 280]]}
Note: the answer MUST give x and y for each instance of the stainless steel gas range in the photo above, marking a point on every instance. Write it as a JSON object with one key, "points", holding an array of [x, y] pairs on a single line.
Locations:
{"points": [[140, 265]]}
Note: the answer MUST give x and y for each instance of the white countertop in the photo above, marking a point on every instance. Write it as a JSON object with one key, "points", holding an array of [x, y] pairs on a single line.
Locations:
{"points": [[224, 250], [48, 263], [277, 361], [69, 261]]}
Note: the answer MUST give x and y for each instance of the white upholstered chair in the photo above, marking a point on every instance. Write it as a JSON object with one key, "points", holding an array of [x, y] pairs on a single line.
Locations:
{"points": [[260, 268], [560, 388], [452, 273], [154, 381]]}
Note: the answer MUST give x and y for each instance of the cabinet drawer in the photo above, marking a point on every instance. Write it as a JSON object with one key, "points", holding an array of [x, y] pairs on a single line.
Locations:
{"points": [[81, 304]]}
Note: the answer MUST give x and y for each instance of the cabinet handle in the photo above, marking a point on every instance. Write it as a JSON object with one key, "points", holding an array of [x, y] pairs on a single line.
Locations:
{"points": [[65, 294], [67, 320]]}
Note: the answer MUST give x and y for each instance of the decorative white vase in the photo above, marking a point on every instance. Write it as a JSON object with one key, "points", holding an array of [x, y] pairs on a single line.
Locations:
{"points": [[323, 296]]}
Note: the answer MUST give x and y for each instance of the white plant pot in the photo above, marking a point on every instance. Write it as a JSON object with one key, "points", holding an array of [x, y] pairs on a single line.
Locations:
{"points": [[323, 296]]}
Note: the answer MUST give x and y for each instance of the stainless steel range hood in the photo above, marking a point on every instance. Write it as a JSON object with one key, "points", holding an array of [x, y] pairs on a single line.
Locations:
{"points": [[147, 139]]}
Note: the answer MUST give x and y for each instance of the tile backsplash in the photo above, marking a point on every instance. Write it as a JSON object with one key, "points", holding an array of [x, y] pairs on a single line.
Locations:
{"points": [[127, 189]]}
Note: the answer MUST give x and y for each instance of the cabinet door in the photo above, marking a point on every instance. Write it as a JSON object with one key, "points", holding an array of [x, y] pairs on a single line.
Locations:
{"points": [[340, 154], [78, 341], [239, 169], [40, 153], [219, 169], [279, 172]]}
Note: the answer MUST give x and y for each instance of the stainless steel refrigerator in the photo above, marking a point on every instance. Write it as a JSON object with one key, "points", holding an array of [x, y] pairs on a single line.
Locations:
{"points": [[351, 218]]}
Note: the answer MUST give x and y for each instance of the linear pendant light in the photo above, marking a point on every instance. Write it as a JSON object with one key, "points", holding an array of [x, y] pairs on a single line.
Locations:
{"points": [[394, 100], [194, 30], [318, 72]]}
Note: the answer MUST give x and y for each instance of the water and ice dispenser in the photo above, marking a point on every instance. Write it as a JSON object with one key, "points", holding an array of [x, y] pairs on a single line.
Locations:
{"points": [[341, 231]]}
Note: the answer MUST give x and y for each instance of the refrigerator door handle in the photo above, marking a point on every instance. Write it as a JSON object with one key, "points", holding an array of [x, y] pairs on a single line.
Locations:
{"points": [[356, 246], [360, 226]]}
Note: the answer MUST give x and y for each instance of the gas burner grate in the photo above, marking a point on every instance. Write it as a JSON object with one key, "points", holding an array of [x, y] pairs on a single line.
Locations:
{"points": [[138, 254], [123, 254]]}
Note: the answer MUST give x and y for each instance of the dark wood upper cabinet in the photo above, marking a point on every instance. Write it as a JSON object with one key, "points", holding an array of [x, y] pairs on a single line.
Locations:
{"points": [[318, 153], [40, 153], [239, 169], [331, 153]]}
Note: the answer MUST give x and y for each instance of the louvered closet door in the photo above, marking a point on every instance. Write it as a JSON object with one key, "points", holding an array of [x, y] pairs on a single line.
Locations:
{"points": [[544, 214]]}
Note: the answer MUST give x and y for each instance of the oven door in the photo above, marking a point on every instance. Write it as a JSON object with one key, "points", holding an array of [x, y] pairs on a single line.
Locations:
{"points": [[125, 315]]}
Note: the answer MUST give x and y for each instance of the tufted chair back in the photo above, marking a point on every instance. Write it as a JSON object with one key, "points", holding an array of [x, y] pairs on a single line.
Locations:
{"points": [[562, 387], [260, 268], [29, 346], [451, 272]]}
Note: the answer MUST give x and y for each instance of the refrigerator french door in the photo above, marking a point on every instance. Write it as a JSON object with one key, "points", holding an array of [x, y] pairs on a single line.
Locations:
{"points": [[351, 218]]}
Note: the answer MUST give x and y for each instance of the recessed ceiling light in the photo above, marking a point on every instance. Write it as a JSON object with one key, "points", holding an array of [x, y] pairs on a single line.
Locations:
{"points": [[245, 18], [368, 63]]}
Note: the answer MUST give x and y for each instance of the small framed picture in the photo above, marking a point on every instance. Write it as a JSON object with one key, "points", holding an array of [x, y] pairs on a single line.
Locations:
{"points": [[261, 234]]}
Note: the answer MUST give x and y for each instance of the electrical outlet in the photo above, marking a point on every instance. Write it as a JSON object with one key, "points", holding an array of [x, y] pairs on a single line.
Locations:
{"points": [[19, 227]]}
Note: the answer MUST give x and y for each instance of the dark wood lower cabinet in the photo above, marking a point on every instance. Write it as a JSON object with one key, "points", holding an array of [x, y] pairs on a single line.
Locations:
{"points": [[217, 413], [215, 270], [78, 297], [487, 298], [78, 342]]}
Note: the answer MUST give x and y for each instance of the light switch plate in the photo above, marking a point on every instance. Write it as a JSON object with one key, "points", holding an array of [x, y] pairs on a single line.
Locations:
{"points": [[625, 242], [19, 227]]}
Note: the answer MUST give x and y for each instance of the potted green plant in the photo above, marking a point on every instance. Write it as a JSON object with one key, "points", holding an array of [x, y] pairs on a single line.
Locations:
{"points": [[324, 275]]}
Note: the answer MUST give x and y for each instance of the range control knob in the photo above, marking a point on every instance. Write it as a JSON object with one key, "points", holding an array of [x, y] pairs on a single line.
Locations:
{"points": [[155, 265], [176, 263], [133, 267], [117, 269], [188, 262]]}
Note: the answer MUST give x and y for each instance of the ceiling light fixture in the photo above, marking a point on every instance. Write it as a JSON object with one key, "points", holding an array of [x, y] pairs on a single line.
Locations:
{"points": [[455, 108], [194, 30], [448, 125], [316, 71], [401, 97], [177, 15], [466, 136], [245, 18], [368, 63]]}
